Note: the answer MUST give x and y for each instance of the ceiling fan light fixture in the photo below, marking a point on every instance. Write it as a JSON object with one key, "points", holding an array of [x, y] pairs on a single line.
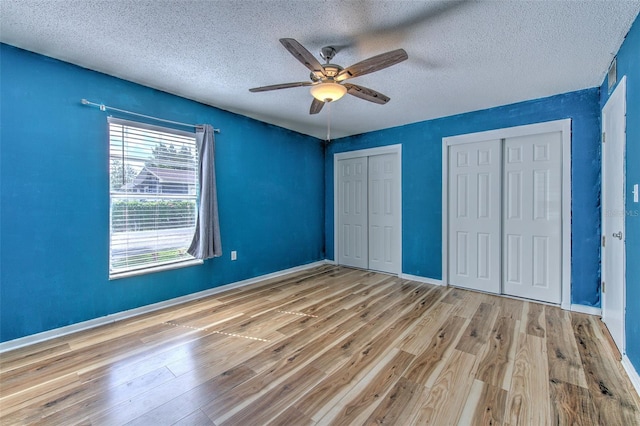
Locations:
{"points": [[328, 91]]}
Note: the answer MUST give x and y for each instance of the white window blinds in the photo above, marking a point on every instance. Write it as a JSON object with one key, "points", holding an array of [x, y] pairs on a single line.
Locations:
{"points": [[153, 193]]}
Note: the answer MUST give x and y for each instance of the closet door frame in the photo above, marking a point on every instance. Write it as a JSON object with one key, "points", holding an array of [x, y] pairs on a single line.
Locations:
{"points": [[563, 126], [389, 149]]}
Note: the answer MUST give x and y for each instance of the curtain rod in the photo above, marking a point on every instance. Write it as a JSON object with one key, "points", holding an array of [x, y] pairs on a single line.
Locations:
{"points": [[104, 107]]}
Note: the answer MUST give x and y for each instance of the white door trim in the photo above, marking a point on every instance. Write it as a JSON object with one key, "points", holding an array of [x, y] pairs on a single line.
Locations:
{"points": [[563, 126], [389, 149]]}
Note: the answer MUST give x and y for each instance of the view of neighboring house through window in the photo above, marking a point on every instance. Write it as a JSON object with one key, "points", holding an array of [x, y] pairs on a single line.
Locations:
{"points": [[153, 190]]}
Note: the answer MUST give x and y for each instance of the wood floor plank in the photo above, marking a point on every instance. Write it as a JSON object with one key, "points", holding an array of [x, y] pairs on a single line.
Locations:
{"points": [[422, 368], [361, 400], [477, 332], [154, 357], [455, 296], [399, 405], [572, 405], [291, 416], [382, 301], [375, 289], [305, 294], [20, 379], [30, 355], [167, 332], [159, 395], [485, 405], [604, 379], [26, 402], [612, 344], [419, 336], [134, 324], [565, 364], [191, 401], [328, 345], [259, 326], [220, 316], [275, 364], [509, 308], [534, 322], [388, 314], [342, 374], [465, 303], [290, 282], [74, 405], [367, 307], [197, 418], [442, 404], [324, 297], [330, 329], [497, 360], [528, 398], [316, 402], [275, 401], [230, 350]]}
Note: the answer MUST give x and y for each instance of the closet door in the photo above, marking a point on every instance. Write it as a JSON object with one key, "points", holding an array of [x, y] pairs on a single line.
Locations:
{"points": [[532, 226], [474, 215], [384, 241], [353, 213]]}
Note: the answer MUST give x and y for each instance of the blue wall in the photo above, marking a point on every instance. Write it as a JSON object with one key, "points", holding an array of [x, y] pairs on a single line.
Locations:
{"points": [[274, 208], [422, 181], [628, 63], [55, 202]]}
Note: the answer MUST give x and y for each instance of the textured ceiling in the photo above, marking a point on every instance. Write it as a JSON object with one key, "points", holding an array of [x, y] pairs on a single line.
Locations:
{"points": [[463, 56]]}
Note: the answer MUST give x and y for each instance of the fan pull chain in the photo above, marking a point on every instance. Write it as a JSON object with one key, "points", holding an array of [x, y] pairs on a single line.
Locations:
{"points": [[328, 122]]}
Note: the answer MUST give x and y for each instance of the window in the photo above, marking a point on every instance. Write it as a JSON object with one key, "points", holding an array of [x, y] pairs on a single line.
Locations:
{"points": [[153, 187]]}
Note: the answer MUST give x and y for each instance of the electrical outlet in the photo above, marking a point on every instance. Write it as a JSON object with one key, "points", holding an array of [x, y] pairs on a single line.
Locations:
{"points": [[234, 255]]}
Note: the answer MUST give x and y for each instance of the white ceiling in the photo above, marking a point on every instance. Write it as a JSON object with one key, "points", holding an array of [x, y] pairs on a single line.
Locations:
{"points": [[463, 56]]}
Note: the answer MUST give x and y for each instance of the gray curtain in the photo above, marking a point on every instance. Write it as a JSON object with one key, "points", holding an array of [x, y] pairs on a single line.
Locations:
{"points": [[206, 240]]}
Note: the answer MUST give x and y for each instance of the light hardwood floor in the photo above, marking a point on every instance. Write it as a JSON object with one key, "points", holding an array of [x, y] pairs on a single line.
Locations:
{"points": [[330, 345]]}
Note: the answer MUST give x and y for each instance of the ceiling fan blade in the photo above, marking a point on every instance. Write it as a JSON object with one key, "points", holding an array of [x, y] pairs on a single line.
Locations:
{"points": [[366, 94], [303, 55], [316, 106], [281, 86], [398, 30], [372, 64]]}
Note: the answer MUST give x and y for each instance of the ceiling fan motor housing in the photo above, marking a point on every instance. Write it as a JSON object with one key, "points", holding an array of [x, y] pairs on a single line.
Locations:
{"points": [[330, 71]]}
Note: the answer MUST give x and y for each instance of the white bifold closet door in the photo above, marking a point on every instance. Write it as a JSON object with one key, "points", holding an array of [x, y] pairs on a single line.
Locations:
{"points": [[353, 213], [384, 241], [505, 222], [368, 213], [532, 217], [474, 209]]}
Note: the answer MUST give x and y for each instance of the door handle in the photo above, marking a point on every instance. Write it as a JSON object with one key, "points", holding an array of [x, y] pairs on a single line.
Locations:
{"points": [[618, 235]]}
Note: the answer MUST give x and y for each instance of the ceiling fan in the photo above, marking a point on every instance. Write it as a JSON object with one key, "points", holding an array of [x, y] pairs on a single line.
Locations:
{"points": [[327, 79]]}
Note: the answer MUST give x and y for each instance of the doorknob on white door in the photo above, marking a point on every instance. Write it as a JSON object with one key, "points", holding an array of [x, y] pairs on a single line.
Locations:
{"points": [[618, 235]]}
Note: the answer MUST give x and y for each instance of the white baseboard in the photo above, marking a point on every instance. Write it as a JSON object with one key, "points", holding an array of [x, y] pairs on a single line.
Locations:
{"points": [[119, 316], [421, 279], [631, 372], [584, 309]]}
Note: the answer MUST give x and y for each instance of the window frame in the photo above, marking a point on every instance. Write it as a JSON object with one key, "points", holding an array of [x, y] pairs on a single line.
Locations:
{"points": [[171, 264]]}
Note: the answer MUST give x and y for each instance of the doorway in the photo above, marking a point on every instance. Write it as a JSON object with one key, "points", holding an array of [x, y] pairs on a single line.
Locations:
{"points": [[613, 214], [367, 209], [506, 211]]}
